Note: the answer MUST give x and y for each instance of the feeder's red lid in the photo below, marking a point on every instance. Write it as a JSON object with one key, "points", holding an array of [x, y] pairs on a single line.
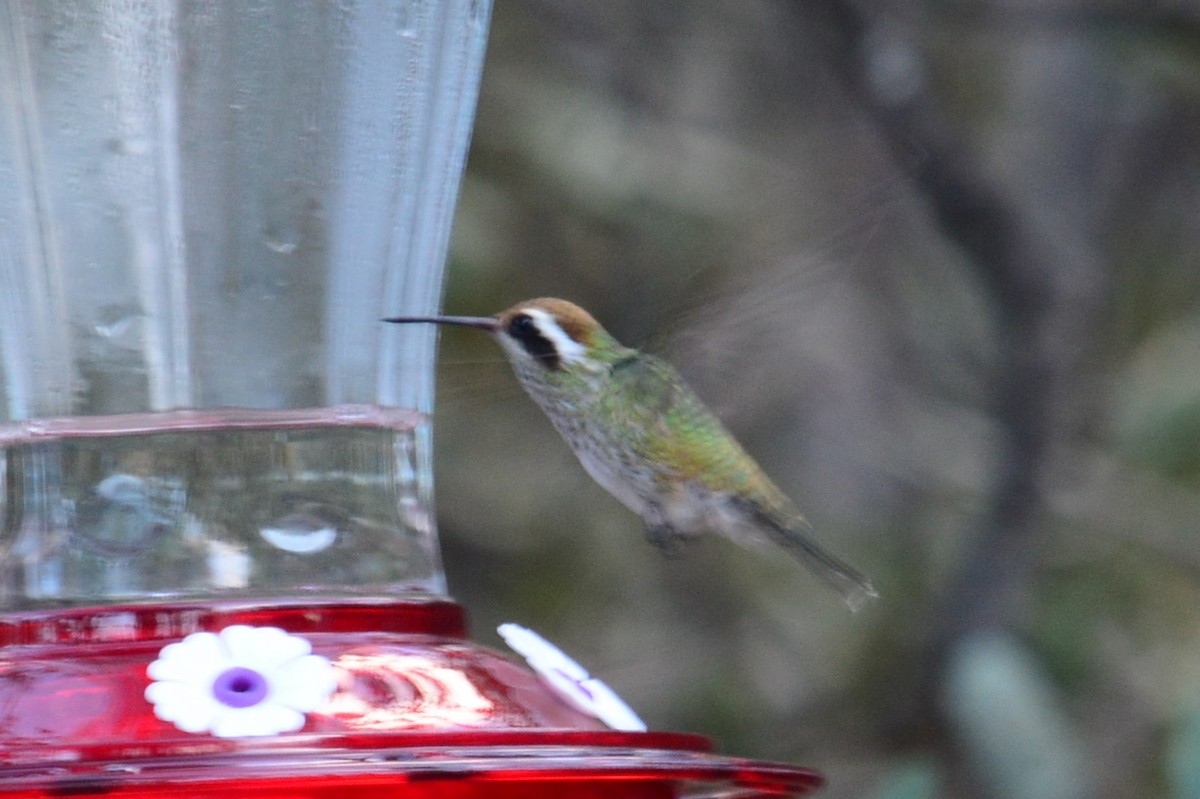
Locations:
{"points": [[415, 710]]}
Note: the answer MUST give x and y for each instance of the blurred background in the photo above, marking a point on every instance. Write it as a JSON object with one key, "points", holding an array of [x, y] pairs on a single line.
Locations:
{"points": [[937, 264]]}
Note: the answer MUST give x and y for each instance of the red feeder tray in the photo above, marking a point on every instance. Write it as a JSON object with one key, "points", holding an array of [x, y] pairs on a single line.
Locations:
{"points": [[418, 711]]}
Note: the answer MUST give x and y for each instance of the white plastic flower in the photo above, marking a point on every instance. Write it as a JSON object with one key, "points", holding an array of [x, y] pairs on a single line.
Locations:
{"points": [[569, 680], [243, 681]]}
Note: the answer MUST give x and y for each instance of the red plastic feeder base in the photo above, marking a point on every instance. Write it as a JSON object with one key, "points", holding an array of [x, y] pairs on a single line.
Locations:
{"points": [[417, 711]]}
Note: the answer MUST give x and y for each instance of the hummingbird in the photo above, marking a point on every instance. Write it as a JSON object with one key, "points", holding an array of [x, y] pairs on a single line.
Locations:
{"points": [[647, 439]]}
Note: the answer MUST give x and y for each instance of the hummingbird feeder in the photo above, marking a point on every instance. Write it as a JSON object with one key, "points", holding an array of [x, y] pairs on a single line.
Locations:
{"points": [[218, 563]]}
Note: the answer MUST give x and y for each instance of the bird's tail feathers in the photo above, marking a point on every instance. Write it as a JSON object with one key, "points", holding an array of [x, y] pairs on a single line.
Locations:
{"points": [[796, 536]]}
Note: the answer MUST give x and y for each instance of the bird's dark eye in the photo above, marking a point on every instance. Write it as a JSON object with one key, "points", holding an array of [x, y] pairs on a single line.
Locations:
{"points": [[526, 332], [521, 326]]}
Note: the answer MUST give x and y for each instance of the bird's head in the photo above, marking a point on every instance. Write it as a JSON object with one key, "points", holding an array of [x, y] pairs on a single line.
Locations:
{"points": [[546, 339]]}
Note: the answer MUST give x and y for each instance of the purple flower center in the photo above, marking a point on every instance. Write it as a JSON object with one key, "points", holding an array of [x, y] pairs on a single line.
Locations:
{"points": [[239, 687]]}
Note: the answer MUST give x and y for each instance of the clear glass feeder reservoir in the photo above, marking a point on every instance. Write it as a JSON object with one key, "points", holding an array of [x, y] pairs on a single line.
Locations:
{"points": [[218, 562]]}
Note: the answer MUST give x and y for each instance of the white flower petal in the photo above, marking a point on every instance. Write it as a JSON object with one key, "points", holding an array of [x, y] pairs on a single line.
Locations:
{"points": [[261, 719], [188, 709], [568, 689], [205, 645], [540, 653], [262, 648], [195, 659], [304, 683], [611, 709]]}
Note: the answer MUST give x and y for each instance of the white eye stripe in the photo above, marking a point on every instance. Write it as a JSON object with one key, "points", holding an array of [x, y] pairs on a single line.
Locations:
{"points": [[569, 350]]}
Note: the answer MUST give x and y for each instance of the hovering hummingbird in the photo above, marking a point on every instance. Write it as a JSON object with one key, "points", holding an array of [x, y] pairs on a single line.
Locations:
{"points": [[647, 439]]}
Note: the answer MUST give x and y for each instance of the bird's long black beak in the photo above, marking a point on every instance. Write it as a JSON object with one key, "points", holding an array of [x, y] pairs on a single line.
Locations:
{"points": [[481, 322]]}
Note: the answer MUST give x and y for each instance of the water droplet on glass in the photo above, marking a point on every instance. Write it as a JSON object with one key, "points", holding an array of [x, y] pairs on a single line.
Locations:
{"points": [[114, 330], [284, 245], [126, 513], [300, 533], [115, 321]]}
